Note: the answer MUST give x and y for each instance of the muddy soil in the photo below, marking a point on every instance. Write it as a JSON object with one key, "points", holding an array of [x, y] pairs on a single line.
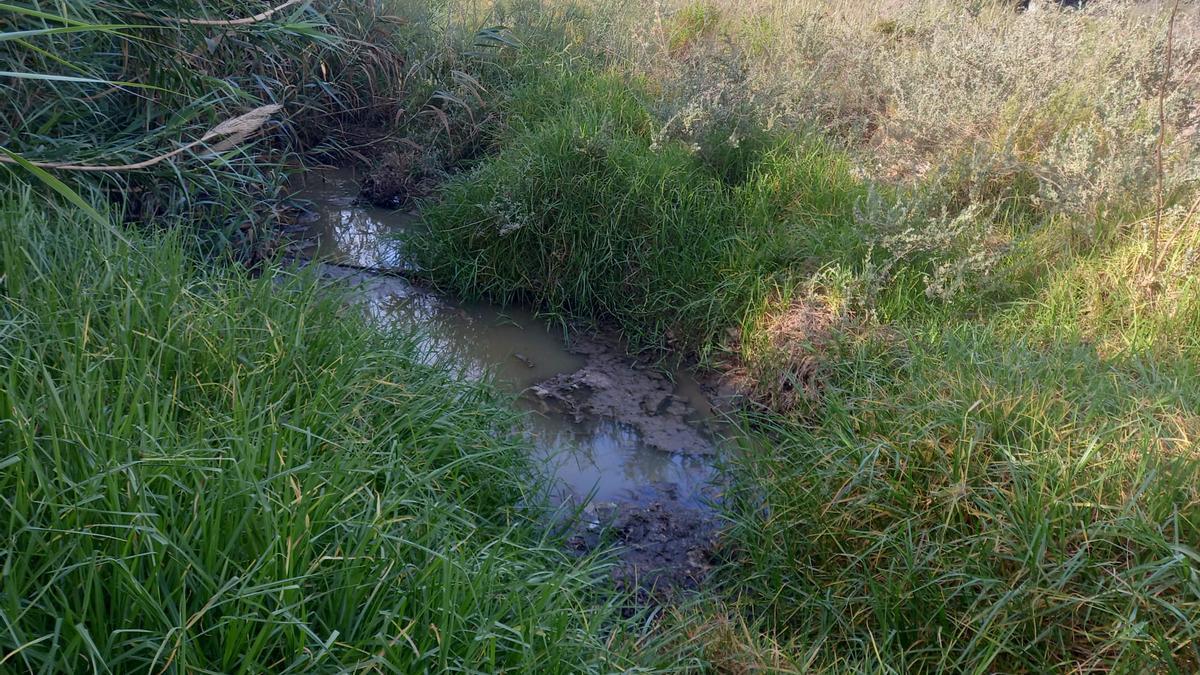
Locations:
{"points": [[615, 386], [665, 544]]}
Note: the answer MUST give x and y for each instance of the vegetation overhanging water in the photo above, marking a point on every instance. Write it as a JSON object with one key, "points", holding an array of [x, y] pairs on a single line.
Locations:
{"points": [[943, 254], [603, 458]]}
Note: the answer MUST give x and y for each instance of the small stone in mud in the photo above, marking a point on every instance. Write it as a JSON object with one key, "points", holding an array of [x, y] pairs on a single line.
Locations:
{"points": [[308, 217]]}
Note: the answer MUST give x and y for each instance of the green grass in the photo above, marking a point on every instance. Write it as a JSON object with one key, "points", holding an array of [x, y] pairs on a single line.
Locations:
{"points": [[1002, 481], [583, 215], [973, 500], [206, 472], [692, 22]]}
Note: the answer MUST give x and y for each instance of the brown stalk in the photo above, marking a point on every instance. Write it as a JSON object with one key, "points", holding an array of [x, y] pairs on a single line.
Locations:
{"points": [[1162, 134], [261, 16]]}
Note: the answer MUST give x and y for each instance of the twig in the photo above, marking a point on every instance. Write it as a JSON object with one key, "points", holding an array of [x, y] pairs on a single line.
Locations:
{"points": [[261, 16], [234, 130], [398, 272], [1162, 135], [1170, 243]]}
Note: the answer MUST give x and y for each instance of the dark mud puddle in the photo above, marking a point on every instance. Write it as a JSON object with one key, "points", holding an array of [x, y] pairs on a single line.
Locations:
{"points": [[631, 448]]}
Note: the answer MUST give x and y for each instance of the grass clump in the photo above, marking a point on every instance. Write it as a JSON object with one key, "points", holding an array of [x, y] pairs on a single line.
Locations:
{"points": [[690, 23], [206, 472], [583, 214]]}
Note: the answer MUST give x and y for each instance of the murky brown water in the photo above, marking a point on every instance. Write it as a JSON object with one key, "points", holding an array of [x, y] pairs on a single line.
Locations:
{"points": [[604, 454]]}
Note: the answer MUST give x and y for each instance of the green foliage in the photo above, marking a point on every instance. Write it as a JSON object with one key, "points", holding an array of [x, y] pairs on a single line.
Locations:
{"points": [[582, 214], [981, 502], [205, 472], [1002, 477]]}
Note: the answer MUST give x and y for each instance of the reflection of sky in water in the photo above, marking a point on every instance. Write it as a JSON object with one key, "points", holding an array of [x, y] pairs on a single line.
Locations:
{"points": [[346, 233], [608, 457], [603, 456]]}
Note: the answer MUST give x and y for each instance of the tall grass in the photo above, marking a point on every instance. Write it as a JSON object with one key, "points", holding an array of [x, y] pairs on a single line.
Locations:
{"points": [[116, 84], [205, 472], [582, 214], [980, 502], [1027, 136]]}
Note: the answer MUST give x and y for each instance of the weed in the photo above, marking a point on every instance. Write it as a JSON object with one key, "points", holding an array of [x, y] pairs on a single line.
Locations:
{"points": [[690, 23]]}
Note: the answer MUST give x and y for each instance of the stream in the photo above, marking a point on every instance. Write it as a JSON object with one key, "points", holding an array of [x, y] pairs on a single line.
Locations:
{"points": [[630, 446]]}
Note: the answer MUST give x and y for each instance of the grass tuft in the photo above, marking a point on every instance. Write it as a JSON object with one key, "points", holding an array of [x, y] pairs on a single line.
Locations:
{"points": [[584, 215]]}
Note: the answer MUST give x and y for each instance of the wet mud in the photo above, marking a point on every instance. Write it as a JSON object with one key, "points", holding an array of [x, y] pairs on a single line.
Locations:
{"points": [[614, 386], [665, 544]]}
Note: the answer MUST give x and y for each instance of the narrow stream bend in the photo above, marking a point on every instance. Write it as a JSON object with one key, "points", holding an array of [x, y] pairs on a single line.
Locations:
{"points": [[630, 443]]}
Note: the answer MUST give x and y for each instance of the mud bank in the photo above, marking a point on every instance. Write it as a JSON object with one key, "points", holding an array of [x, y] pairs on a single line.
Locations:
{"points": [[613, 386]]}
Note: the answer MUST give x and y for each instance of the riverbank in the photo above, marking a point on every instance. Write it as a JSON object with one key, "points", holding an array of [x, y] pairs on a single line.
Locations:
{"points": [[205, 471], [943, 254], [629, 449]]}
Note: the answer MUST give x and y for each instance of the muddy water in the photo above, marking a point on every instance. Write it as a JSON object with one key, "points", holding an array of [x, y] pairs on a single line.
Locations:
{"points": [[604, 425]]}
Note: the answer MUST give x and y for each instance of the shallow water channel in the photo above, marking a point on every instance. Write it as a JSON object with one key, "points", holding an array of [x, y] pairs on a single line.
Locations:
{"points": [[606, 426]]}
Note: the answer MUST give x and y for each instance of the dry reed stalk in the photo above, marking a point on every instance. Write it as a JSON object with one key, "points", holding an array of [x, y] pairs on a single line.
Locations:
{"points": [[1162, 134], [235, 130], [261, 16]]}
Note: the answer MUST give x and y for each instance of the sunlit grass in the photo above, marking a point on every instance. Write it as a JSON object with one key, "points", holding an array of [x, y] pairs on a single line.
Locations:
{"points": [[204, 472], [973, 499], [581, 214]]}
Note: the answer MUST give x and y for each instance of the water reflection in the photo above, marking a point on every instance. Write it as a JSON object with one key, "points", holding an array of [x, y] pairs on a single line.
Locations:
{"points": [[345, 233]]}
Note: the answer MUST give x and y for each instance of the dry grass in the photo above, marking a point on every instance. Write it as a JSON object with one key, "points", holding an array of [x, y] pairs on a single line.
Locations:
{"points": [[776, 364], [922, 85], [971, 118]]}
